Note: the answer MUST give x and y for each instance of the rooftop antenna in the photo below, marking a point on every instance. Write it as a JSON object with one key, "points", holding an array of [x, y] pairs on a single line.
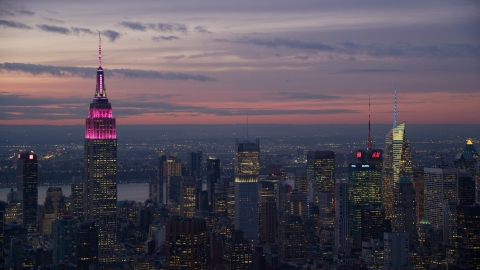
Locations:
{"points": [[369, 138], [395, 107], [99, 50]]}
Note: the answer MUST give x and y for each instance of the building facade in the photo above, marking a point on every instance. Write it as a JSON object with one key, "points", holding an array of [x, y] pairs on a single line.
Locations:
{"points": [[27, 190], [101, 170], [397, 164]]}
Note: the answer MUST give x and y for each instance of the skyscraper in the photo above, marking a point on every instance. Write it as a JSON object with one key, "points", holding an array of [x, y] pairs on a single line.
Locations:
{"points": [[246, 188], [186, 243], [87, 245], [364, 189], [76, 196], [397, 164], [187, 196], [101, 169], [342, 227], [468, 160], [404, 218], [441, 186], [64, 240], [172, 172], [213, 175], [468, 236], [27, 190], [321, 170], [53, 206]]}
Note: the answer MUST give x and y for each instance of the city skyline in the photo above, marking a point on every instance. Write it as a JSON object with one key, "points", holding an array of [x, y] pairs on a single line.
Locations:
{"points": [[216, 63]]}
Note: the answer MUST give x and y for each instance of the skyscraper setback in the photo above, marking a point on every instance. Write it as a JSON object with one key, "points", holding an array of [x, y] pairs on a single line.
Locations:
{"points": [[101, 169]]}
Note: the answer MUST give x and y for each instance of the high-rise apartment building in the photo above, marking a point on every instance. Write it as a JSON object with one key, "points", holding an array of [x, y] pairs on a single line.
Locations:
{"points": [[397, 164], [101, 169], [27, 190], [441, 186], [186, 244], [246, 188]]}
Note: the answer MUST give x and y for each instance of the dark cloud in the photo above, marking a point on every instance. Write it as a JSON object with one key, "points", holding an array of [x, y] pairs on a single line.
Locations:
{"points": [[174, 57], [78, 31], [202, 55], [53, 11], [4, 12], [23, 11], [395, 50], [169, 38], [289, 43], [300, 96], [170, 27], [54, 29], [202, 30], [25, 107], [111, 35], [136, 26], [150, 97], [13, 24], [89, 72], [151, 74], [53, 20], [304, 57], [371, 70]]}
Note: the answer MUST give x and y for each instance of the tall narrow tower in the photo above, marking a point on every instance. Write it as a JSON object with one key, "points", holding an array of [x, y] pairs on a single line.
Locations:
{"points": [[397, 162], [246, 188], [27, 190], [101, 169]]}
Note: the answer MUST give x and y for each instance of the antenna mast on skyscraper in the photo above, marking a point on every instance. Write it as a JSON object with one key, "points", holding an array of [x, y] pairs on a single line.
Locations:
{"points": [[395, 107], [99, 50], [369, 138]]}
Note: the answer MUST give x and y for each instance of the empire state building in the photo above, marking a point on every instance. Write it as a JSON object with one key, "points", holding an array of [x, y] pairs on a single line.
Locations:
{"points": [[100, 195]]}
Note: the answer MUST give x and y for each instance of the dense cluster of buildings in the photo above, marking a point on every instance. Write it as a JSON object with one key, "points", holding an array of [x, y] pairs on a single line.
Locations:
{"points": [[385, 213]]}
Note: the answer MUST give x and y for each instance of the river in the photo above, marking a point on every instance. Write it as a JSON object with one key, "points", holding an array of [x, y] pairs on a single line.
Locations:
{"points": [[133, 192]]}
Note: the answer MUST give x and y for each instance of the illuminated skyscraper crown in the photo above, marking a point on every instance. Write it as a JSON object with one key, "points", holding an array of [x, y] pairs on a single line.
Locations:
{"points": [[100, 123]]}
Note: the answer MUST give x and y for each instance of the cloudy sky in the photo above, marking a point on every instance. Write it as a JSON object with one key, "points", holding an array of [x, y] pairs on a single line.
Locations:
{"points": [[209, 61]]}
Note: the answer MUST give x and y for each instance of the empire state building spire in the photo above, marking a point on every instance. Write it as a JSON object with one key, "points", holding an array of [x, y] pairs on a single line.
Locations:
{"points": [[100, 88]]}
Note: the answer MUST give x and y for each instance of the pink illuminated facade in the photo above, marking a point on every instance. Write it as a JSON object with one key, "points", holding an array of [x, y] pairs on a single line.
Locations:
{"points": [[100, 199]]}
